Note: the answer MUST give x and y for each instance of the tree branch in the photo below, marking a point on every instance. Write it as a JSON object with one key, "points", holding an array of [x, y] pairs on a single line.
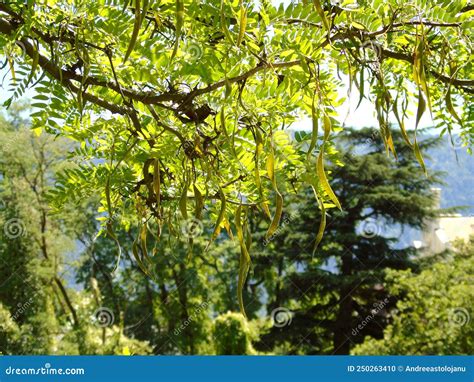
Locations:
{"points": [[463, 84], [151, 98]]}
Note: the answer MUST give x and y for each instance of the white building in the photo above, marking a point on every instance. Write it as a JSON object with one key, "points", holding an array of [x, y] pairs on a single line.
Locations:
{"points": [[441, 232]]}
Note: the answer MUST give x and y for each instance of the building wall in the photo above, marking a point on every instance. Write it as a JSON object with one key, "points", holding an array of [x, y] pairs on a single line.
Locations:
{"points": [[439, 233]]}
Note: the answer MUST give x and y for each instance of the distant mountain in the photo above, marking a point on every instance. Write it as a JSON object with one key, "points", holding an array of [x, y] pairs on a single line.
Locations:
{"points": [[458, 168], [459, 175], [458, 190], [454, 161]]}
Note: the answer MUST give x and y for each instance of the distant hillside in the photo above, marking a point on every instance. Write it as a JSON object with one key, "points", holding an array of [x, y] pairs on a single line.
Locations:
{"points": [[459, 175], [457, 190]]}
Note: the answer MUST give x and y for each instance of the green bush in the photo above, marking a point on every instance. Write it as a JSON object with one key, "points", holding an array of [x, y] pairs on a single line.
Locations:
{"points": [[232, 335], [435, 309]]}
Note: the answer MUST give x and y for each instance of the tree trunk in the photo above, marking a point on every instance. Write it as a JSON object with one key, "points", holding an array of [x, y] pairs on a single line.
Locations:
{"points": [[343, 325]]}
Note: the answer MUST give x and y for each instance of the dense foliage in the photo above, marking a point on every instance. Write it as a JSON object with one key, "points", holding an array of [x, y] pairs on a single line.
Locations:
{"points": [[181, 106], [232, 335], [431, 319], [57, 294], [39, 312]]}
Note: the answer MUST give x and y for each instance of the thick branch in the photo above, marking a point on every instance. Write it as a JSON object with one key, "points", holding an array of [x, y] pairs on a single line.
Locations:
{"points": [[67, 300]]}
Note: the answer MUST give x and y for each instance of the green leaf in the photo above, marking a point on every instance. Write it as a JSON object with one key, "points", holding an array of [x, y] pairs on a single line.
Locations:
{"points": [[358, 25]]}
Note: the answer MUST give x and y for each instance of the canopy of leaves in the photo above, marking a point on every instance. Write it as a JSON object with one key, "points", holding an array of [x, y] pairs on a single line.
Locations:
{"points": [[182, 105]]}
